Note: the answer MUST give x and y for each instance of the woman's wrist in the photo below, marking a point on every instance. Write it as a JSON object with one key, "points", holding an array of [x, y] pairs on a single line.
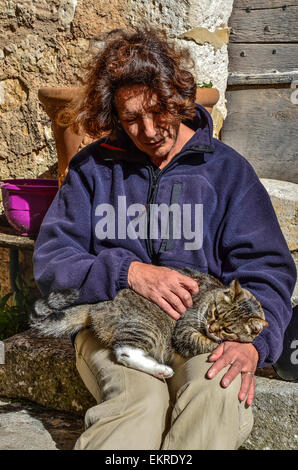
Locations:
{"points": [[132, 272]]}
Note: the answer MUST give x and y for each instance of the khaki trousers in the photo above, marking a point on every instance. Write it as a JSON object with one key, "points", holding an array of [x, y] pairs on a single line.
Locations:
{"points": [[137, 411]]}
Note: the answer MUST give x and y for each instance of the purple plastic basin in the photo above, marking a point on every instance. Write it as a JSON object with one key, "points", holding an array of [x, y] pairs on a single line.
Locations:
{"points": [[26, 202]]}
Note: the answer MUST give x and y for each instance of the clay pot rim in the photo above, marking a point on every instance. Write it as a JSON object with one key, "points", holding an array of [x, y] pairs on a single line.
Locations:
{"points": [[207, 97], [53, 95]]}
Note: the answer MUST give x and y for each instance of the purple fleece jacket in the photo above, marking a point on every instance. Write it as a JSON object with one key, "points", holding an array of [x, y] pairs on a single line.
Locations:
{"points": [[241, 237]]}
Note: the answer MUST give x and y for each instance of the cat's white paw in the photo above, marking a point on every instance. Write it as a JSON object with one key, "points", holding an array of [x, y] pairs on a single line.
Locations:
{"points": [[127, 355], [163, 372], [136, 358]]}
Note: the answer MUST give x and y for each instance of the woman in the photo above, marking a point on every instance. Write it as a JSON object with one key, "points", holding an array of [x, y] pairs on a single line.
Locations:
{"points": [[159, 149]]}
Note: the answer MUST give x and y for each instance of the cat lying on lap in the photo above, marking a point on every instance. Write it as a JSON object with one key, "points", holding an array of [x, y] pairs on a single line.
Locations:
{"points": [[143, 336]]}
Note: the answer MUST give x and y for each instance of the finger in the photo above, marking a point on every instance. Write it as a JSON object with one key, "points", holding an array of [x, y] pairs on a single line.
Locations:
{"points": [[175, 301], [246, 380], [189, 284], [217, 353], [232, 373], [167, 308], [224, 360], [245, 385], [251, 392], [184, 296]]}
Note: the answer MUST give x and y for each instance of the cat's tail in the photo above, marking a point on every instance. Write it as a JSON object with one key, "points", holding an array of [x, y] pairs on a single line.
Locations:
{"points": [[58, 316]]}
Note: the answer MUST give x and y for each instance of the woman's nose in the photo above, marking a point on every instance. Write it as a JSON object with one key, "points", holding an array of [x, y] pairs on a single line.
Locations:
{"points": [[149, 128]]}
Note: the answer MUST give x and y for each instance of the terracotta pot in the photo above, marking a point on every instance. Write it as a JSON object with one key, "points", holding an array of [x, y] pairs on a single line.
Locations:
{"points": [[67, 142], [207, 97]]}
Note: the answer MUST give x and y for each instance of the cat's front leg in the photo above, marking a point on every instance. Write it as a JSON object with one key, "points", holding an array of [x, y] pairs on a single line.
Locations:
{"points": [[190, 342], [136, 358], [206, 345]]}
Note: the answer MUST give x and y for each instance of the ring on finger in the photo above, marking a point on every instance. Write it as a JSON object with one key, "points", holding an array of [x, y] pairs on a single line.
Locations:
{"points": [[248, 372]]}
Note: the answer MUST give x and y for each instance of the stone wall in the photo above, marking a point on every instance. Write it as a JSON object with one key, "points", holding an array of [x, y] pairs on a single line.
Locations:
{"points": [[48, 42]]}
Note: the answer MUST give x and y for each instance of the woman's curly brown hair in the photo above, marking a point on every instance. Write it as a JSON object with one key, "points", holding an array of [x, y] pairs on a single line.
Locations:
{"points": [[130, 58]]}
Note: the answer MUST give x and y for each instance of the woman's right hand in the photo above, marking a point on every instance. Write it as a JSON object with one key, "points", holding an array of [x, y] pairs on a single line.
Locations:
{"points": [[167, 288]]}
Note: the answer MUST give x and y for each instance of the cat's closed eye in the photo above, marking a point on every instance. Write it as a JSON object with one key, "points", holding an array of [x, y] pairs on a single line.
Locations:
{"points": [[227, 330]]}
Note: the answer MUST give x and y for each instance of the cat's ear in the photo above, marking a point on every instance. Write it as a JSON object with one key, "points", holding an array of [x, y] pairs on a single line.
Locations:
{"points": [[235, 289], [257, 325]]}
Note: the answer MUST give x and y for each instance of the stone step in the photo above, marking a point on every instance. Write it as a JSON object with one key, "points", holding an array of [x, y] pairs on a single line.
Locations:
{"points": [[43, 371], [20, 431], [27, 426]]}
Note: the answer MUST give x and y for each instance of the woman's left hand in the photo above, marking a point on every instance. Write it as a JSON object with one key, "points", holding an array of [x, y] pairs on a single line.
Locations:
{"points": [[243, 358]]}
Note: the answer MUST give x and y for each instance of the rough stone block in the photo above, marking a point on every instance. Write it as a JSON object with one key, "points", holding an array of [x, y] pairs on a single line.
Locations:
{"points": [[275, 411], [12, 95], [20, 431], [43, 370], [284, 197], [66, 12]]}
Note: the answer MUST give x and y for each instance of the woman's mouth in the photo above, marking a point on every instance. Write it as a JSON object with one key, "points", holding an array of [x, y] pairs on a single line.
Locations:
{"points": [[154, 144]]}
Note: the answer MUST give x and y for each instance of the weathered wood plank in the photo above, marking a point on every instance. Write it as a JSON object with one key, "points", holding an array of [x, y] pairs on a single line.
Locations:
{"points": [[262, 126], [255, 4], [262, 58], [264, 25], [262, 78], [9, 239], [13, 241]]}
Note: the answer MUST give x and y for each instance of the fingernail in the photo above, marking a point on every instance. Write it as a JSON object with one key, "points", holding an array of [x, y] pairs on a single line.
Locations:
{"points": [[242, 396], [225, 382], [210, 374]]}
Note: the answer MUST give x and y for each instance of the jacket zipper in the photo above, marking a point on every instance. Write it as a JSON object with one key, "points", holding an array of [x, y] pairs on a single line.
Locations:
{"points": [[152, 194], [153, 188]]}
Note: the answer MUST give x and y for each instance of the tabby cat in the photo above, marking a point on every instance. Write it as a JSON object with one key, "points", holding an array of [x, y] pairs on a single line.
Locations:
{"points": [[144, 337]]}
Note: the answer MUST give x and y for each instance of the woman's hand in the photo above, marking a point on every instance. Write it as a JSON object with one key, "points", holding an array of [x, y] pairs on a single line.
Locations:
{"points": [[167, 288], [243, 358]]}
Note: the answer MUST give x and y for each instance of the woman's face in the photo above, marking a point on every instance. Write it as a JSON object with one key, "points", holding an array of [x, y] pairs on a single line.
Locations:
{"points": [[143, 122]]}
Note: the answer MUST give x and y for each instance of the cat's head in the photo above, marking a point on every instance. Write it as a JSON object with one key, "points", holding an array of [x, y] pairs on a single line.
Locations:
{"points": [[235, 315]]}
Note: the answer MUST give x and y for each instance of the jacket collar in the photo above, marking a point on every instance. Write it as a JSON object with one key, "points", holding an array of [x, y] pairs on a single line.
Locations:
{"points": [[203, 126]]}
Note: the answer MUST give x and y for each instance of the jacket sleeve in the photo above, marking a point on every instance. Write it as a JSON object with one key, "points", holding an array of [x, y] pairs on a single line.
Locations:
{"points": [[255, 252], [62, 257]]}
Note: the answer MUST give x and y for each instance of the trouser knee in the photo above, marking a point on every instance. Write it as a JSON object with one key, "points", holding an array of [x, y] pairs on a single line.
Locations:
{"points": [[124, 391]]}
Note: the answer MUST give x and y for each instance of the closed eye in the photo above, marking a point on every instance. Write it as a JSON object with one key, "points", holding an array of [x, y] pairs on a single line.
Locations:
{"points": [[130, 120], [227, 330]]}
